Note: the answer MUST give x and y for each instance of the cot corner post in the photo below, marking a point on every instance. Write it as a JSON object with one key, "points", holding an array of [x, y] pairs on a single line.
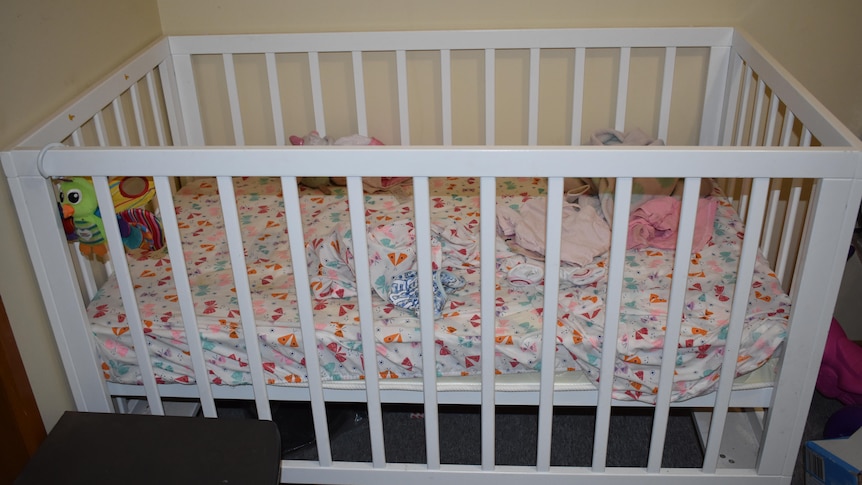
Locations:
{"points": [[61, 294], [186, 108], [815, 287]]}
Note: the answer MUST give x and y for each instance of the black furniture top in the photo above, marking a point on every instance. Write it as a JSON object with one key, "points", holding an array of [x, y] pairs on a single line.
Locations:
{"points": [[102, 448]]}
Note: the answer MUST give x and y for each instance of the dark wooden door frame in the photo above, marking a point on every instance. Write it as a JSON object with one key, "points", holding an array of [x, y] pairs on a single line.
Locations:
{"points": [[20, 422]]}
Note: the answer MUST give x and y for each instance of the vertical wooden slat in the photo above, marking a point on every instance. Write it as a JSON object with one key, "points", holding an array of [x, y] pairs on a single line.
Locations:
{"points": [[446, 95], [120, 119], [233, 99], [101, 134], [127, 294], [783, 258], [771, 119], [714, 107], [533, 120], [754, 136], [623, 88], [275, 98], [666, 92], [403, 108], [187, 99], [490, 97], [743, 106], [359, 93], [553, 238], [316, 93], [739, 307], [616, 269], [356, 201], [293, 218], [155, 106], [771, 217], [233, 234], [676, 302], [179, 271], [487, 209], [138, 115], [733, 110], [422, 224], [578, 95]]}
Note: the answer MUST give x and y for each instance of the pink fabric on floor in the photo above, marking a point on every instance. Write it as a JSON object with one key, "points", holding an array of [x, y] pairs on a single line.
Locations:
{"points": [[655, 223], [840, 375]]}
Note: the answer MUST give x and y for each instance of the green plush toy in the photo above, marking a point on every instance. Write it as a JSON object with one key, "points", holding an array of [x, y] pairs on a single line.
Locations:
{"points": [[78, 202]]}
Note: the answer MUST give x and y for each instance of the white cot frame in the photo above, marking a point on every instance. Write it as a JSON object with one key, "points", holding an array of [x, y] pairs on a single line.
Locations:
{"points": [[751, 148]]}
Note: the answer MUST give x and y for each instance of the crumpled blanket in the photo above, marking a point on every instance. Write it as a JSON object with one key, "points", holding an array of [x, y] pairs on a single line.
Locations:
{"points": [[655, 223]]}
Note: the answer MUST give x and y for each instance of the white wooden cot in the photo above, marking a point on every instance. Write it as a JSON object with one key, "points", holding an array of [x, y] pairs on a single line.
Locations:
{"points": [[791, 169]]}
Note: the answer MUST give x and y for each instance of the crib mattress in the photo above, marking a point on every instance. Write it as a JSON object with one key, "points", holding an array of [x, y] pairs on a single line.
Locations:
{"points": [[455, 221]]}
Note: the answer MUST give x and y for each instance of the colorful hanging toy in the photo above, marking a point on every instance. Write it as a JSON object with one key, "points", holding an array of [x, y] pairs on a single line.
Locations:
{"points": [[82, 219]]}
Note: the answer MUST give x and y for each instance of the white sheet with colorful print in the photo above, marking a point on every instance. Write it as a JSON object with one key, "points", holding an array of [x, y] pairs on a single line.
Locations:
{"points": [[455, 222]]}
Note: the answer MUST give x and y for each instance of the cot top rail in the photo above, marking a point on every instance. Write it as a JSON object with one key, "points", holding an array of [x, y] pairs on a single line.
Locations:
{"points": [[515, 161], [455, 40]]}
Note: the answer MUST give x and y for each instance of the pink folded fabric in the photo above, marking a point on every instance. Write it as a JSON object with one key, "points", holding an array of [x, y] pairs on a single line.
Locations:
{"points": [[655, 224]]}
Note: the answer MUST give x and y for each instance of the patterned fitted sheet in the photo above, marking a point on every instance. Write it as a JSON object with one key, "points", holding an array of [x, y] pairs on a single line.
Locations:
{"points": [[455, 221]]}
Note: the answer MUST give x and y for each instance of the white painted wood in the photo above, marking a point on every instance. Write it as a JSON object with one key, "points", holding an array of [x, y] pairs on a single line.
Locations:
{"points": [[293, 219], [120, 121], [754, 135], [465, 39], [814, 293], [187, 100], [446, 94], [716, 98], [127, 293], [275, 98], [422, 222], [369, 345], [155, 107], [316, 93], [552, 161], [173, 107], [623, 88], [578, 95], [738, 311], [533, 102], [666, 92], [243, 294], [233, 100], [616, 268], [488, 231], [490, 97], [731, 109], [359, 93], [743, 118], [553, 232], [138, 115], [184, 293], [403, 107], [675, 304]]}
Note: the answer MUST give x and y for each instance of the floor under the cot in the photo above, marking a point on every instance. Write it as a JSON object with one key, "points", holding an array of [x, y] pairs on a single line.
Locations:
{"points": [[516, 431]]}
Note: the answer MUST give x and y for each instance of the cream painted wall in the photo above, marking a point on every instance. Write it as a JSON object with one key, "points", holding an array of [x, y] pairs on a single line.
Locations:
{"points": [[50, 52], [816, 40]]}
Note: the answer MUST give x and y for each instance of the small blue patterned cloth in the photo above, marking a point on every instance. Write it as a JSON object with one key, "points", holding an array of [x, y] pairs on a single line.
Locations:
{"points": [[404, 290]]}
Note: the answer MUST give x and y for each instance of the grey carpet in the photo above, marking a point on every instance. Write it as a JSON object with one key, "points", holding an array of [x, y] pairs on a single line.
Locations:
{"points": [[516, 430]]}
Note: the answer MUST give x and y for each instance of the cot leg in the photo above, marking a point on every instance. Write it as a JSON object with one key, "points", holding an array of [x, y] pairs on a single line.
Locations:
{"points": [[741, 439]]}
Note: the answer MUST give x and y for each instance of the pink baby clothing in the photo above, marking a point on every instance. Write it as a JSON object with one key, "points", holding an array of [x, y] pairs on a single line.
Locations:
{"points": [[654, 224], [585, 234]]}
